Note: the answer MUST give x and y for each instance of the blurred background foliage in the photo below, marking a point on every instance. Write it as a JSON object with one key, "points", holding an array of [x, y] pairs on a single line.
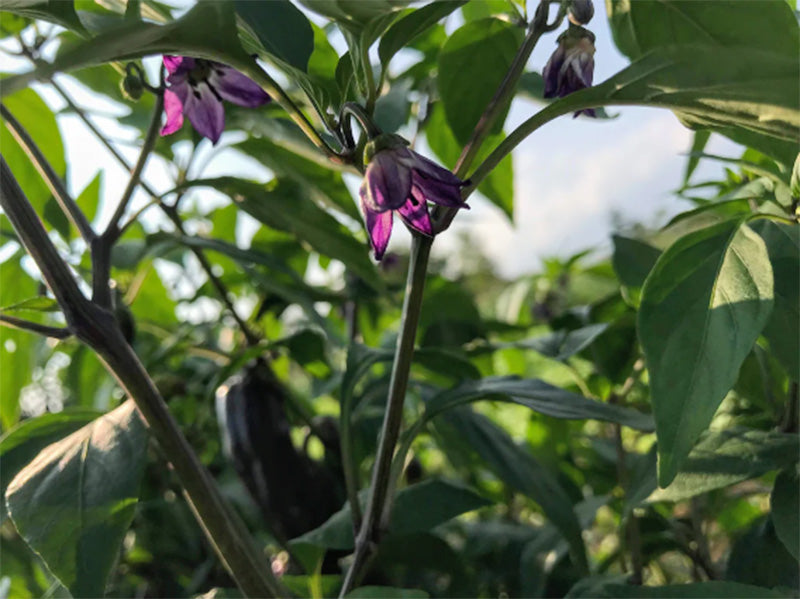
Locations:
{"points": [[525, 490]]}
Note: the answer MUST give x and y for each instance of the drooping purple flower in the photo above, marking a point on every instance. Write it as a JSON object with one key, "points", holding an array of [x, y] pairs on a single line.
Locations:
{"points": [[400, 180], [571, 67], [197, 88]]}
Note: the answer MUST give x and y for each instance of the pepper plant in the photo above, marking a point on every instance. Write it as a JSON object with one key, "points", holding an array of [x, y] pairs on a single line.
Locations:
{"points": [[217, 386]]}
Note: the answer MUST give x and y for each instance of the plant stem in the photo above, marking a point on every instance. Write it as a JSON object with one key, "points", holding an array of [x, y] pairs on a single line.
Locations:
{"points": [[369, 531], [97, 328], [51, 178], [101, 246], [34, 327]]}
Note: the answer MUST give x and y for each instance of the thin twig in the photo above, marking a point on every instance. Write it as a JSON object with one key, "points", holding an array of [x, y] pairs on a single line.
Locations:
{"points": [[51, 178], [34, 327]]}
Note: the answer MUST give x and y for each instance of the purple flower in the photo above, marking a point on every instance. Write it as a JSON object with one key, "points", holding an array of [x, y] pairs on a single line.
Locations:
{"points": [[400, 180], [197, 88], [571, 67]]}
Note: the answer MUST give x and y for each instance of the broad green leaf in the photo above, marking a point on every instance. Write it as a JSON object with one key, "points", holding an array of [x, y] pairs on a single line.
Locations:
{"points": [[712, 589], [75, 501], [517, 468], [281, 28], [642, 25], [287, 206], [723, 458], [538, 396], [373, 592], [23, 442], [703, 307], [472, 65], [563, 344], [40, 123], [355, 15], [208, 30], [783, 245], [60, 12], [498, 186], [417, 508], [406, 29], [785, 504], [633, 260]]}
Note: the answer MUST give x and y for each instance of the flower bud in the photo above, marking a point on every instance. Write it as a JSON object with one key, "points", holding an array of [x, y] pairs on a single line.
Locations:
{"points": [[131, 87], [580, 12]]}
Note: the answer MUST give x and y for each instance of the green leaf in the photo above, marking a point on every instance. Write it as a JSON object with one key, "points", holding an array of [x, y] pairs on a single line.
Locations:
{"points": [[355, 15], [783, 245], [60, 12], [287, 206], [417, 508], [516, 467], [472, 65], [633, 260], [208, 30], [281, 28], [34, 304], [40, 123], [640, 26], [23, 442], [785, 504], [723, 458], [74, 502], [758, 557], [498, 186], [698, 144], [89, 199], [703, 307], [323, 184], [406, 29], [373, 592], [538, 396]]}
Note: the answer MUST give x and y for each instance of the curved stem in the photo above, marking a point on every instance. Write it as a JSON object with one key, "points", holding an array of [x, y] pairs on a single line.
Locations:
{"points": [[363, 118], [393, 419]]}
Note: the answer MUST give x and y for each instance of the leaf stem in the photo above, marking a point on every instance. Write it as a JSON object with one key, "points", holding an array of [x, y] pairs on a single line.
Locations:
{"points": [[51, 178], [34, 327], [369, 531]]}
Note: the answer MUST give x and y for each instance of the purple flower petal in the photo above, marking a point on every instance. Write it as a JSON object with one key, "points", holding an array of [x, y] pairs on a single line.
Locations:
{"points": [[205, 112], [552, 71], [438, 192], [429, 169], [173, 106], [379, 225], [235, 87], [415, 213], [175, 64], [388, 182]]}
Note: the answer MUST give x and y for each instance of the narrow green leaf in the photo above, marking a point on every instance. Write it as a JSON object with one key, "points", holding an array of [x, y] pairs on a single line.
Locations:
{"points": [[538, 396], [89, 199], [74, 502], [480, 51], [703, 307], [406, 29], [281, 28], [517, 468], [785, 504], [60, 12], [698, 145], [286, 206]]}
